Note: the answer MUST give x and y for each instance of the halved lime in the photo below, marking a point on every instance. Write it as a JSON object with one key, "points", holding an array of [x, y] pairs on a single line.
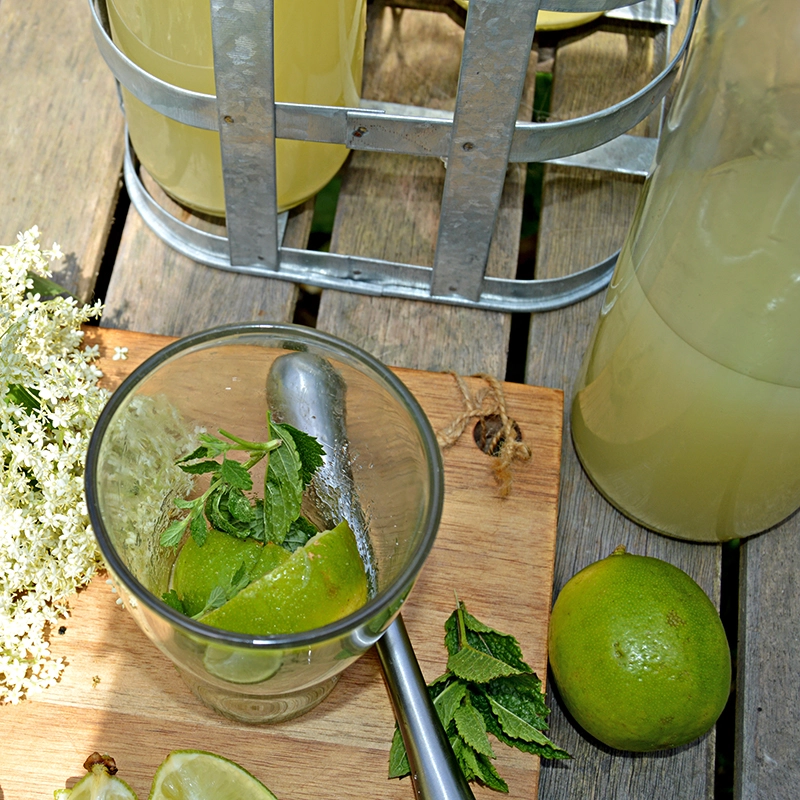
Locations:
{"points": [[197, 775], [319, 583]]}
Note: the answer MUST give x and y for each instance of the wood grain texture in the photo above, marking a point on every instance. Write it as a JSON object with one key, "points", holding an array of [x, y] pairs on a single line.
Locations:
{"points": [[120, 695], [768, 691], [585, 217], [389, 208], [60, 135]]}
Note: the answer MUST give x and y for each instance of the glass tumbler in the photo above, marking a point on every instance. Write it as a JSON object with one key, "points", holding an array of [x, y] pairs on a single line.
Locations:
{"points": [[218, 379]]}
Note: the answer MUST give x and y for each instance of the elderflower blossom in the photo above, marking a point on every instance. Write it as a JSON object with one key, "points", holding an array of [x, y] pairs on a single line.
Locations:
{"points": [[49, 403]]}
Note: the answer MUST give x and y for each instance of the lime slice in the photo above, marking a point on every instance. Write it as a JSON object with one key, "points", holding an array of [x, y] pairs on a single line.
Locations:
{"points": [[319, 583], [241, 666], [199, 570], [98, 784], [195, 775]]}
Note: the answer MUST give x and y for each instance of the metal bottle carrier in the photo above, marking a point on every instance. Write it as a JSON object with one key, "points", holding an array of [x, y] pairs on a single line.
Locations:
{"points": [[478, 141]]}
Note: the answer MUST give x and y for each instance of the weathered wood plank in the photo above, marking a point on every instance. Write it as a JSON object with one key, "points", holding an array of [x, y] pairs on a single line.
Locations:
{"points": [[389, 208], [60, 134], [155, 289], [768, 692], [585, 217]]}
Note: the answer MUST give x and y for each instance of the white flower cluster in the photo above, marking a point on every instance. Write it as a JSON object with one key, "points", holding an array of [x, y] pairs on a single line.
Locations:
{"points": [[49, 403]]}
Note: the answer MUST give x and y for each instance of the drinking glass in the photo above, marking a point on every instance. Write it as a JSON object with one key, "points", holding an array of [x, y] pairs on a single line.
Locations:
{"points": [[217, 379]]}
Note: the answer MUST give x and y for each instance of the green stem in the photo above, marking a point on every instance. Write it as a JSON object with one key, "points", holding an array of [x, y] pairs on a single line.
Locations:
{"points": [[252, 446]]}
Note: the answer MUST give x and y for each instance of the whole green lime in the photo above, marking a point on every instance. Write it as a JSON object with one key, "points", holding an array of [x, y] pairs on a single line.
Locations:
{"points": [[638, 653]]}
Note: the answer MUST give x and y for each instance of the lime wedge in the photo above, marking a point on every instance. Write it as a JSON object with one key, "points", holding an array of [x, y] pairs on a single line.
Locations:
{"points": [[97, 784], [196, 775], [319, 583], [199, 570]]}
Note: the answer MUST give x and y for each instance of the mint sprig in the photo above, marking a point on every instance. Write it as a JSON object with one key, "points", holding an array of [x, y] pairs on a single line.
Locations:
{"points": [[292, 459], [487, 689]]}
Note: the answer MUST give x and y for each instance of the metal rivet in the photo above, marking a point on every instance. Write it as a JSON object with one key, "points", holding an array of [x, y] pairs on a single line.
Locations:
{"points": [[228, 119], [359, 132], [467, 145]]}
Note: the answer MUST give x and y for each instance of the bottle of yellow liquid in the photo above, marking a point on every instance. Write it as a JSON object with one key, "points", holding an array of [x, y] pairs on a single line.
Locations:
{"points": [[319, 53], [686, 414]]}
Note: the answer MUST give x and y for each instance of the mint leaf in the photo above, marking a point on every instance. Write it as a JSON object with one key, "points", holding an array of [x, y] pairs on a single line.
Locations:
{"points": [[513, 723], [481, 702], [198, 529], [172, 535], [309, 450], [448, 700], [467, 758], [300, 531], [522, 693], [487, 689], [239, 581], [462, 625], [488, 775], [235, 475], [472, 665], [472, 729], [283, 488], [239, 506], [398, 758], [213, 445], [200, 467], [173, 601]]}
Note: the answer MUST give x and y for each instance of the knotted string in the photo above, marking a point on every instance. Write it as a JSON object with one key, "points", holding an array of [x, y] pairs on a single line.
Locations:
{"points": [[490, 401]]}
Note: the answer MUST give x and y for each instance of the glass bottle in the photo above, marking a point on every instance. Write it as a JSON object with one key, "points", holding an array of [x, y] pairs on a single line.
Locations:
{"points": [[686, 413], [319, 54]]}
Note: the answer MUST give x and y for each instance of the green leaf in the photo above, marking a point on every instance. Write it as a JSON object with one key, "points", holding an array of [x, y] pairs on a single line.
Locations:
{"points": [[513, 724], [173, 601], [198, 529], [172, 535], [488, 775], [47, 287], [200, 467], [214, 446], [398, 758], [217, 598], [239, 506], [462, 625], [481, 702], [235, 474], [23, 396], [472, 729], [448, 700], [478, 667], [199, 452], [283, 489], [309, 450], [467, 758], [239, 581], [300, 531], [523, 692]]}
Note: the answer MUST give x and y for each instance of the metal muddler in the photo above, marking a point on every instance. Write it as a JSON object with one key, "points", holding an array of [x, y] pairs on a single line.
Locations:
{"points": [[306, 391]]}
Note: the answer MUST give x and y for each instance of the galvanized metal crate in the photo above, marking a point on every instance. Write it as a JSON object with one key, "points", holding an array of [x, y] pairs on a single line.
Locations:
{"points": [[478, 141]]}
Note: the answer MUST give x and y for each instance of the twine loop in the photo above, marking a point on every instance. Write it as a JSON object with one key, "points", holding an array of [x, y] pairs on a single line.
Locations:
{"points": [[505, 443]]}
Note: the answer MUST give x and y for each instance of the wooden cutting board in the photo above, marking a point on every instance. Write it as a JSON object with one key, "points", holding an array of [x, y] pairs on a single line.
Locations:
{"points": [[119, 695]]}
